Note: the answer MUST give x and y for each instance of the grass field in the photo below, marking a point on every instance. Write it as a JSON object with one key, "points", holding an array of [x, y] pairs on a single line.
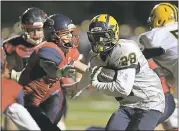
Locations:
{"points": [[89, 110]]}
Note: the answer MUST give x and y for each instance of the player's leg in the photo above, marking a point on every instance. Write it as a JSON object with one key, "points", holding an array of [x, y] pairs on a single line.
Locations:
{"points": [[41, 119], [169, 107], [172, 121], [120, 119], [61, 123], [54, 106], [144, 120], [21, 117]]}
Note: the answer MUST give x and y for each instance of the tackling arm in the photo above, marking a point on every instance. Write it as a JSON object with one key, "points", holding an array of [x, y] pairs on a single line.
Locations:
{"points": [[49, 61]]}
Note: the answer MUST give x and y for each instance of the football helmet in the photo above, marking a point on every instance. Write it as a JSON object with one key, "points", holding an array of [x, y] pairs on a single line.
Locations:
{"points": [[162, 14], [103, 33], [32, 21], [60, 29]]}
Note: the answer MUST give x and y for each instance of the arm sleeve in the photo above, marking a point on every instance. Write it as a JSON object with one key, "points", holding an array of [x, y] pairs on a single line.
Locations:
{"points": [[49, 67], [121, 87], [153, 52], [50, 54], [49, 60]]}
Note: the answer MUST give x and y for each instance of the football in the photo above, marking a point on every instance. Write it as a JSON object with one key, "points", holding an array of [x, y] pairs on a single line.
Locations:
{"points": [[107, 75]]}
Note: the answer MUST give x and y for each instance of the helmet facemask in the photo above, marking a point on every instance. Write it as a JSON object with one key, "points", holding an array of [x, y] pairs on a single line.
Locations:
{"points": [[103, 33], [150, 21], [60, 29], [33, 34], [64, 38], [67, 38], [102, 41], [32, 21]]}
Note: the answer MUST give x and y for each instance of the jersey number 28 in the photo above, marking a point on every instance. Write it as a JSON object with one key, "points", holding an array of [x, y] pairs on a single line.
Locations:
{"points": [[128, 59]]}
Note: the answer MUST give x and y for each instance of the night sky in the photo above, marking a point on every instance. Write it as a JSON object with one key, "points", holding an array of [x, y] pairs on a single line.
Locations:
{"points": [[133, 13]]}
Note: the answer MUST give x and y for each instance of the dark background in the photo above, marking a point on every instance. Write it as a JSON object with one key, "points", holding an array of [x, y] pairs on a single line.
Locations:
{"points": [[128, 12]]}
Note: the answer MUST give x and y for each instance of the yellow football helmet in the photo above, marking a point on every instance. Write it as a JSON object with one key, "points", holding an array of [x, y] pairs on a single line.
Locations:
{"points": [[103, 33], [162, 14]]}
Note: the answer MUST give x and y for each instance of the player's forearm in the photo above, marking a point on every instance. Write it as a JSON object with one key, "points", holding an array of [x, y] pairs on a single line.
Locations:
{"points": [[121, 87], [78, 76], [80, 66], [153, 52], [50, 68], [85, 80]]}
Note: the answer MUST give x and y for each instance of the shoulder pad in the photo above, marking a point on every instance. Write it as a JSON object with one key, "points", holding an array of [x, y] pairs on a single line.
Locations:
{"points": [[19, 45], [18, 40]]}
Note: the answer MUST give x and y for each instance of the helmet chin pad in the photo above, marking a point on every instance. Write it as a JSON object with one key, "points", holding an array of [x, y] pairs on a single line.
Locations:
{"points": [[27, 37], [35, 42]]}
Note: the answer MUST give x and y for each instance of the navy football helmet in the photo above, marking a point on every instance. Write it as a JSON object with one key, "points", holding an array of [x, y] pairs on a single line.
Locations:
{"points": [[60, 29]]}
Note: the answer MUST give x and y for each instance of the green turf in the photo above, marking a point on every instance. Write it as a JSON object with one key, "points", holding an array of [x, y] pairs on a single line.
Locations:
{"points": [[90, 110]]}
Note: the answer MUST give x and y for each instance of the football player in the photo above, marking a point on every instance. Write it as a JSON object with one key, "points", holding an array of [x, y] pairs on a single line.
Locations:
{"points": [[46, 70], [13, 101], [137, 88], [162, 37], [19, 48], [61, 30], [160, 42], [169, 100]]}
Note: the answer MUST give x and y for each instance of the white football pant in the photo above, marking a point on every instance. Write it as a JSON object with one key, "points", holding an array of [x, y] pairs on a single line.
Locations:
{"points": [[21, 117]]}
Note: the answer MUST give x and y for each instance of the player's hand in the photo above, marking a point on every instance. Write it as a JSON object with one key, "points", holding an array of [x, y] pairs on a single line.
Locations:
{"points": [[68, 71]]}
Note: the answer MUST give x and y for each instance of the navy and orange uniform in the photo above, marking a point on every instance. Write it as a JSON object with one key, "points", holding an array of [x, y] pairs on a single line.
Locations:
{"points": [[54, 102], [35, 79], [11, 92], [72, 55], [160, 74], [17, 51]]}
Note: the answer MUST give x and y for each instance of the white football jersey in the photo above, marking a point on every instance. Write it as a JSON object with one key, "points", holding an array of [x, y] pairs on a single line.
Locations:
{"points": [[165, 37], [133, 74]]}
